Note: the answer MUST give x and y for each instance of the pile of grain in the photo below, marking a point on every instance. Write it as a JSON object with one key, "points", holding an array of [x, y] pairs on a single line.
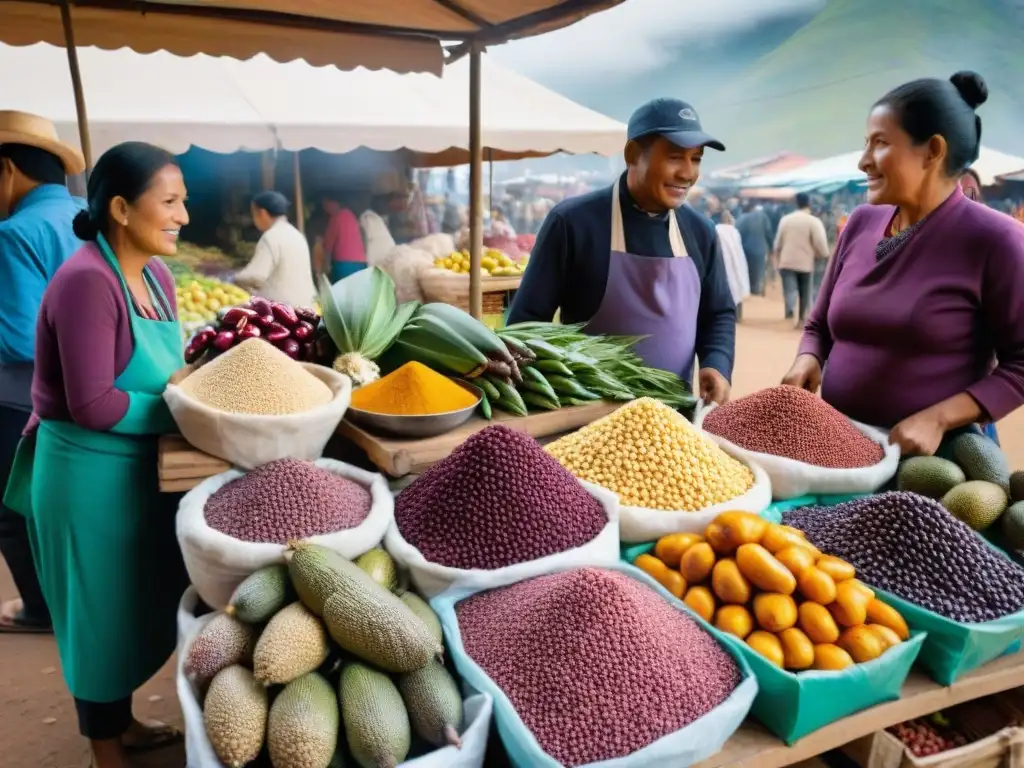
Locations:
{"points": [[287, 499], [595, 663], [791, 422], [652, 457], [256, 378], [497, 500]]}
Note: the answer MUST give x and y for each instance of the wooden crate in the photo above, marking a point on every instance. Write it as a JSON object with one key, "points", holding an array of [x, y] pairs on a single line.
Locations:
{"points": [[1004, 748]]}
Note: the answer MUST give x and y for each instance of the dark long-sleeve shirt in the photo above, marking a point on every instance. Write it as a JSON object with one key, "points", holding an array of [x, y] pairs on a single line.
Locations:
{"points": [[84, 342], [756, 232], [569, 267], [927, 322]]}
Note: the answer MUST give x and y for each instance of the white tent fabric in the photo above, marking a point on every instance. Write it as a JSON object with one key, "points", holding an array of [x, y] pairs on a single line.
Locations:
{"points": [[225, 105], [1018, 176], [842, 169]]}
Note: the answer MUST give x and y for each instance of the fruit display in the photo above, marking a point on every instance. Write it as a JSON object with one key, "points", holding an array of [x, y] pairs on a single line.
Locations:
{"points": [[292, 330], [200, 298], [795, 424], [493, 263], [329, 665], [596, 664], [286, 500], [768, 585], [497, 500], [925, 737], [256, 378], [654, 458], [972, 479], [913, 547], [962, 724]]}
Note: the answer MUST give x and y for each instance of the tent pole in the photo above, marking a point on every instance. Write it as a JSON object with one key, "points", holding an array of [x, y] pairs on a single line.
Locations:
{"points": [[300, 208], [76, 83], [476, 161]]}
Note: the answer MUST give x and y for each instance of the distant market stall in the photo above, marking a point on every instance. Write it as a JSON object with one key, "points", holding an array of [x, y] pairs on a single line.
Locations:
{"points": [[837, 172]]}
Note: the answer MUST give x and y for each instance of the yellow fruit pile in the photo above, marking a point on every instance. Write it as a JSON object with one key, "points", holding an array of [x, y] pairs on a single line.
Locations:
{"points": [[199, 298], [493, 263], [768, 585], [652, 457]]}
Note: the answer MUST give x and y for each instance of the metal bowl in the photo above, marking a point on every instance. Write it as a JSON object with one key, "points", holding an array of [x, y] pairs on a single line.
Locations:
{"points": [[416, 426]]}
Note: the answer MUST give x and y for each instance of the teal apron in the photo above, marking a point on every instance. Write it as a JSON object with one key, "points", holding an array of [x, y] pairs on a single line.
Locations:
{"points": [[102, 534]]}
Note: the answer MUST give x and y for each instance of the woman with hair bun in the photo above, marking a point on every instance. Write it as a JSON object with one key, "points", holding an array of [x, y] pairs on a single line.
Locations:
{"points": [[107, 340], [918, 323]]}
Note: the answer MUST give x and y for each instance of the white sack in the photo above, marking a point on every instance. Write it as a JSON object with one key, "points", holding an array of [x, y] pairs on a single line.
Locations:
{"points": [[377, 237], [247, 440], [439, 245], [640, 524], [218, 563], [199, 753], [792, 479], [431, 579], [404, 264]]}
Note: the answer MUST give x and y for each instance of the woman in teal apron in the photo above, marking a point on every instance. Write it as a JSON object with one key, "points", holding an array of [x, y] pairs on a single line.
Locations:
{"points": [[85, 477]]}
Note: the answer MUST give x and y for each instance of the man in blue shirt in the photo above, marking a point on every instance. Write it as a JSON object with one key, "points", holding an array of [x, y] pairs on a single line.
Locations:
{"points": [[635, 259], [36, 211]]}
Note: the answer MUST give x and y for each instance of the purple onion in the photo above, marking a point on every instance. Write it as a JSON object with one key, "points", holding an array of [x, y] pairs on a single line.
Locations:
{"points": [[277, 332], [249, 332], [303, 331], [290, 347], [261, 306], [224, 340], [284, 314]]}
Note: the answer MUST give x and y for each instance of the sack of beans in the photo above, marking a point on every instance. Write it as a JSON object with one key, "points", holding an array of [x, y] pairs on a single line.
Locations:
{"points": [[254, 404], [497, 510], [668, 475], [806, 446], [938, 573], [597, 666], [235, 523]]}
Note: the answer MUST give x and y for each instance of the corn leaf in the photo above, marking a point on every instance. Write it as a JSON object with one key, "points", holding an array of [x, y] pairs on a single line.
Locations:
{"points": [[360, 312], [334, 321], [383, 340]]}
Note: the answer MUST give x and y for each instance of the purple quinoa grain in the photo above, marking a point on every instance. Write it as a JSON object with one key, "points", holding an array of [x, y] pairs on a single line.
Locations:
{"points": [[497, 500], [597, 664], [287, 499], [914, 548]]}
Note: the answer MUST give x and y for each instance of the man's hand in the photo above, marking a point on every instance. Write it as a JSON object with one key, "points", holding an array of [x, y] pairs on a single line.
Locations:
{"points": [[713, 386]]}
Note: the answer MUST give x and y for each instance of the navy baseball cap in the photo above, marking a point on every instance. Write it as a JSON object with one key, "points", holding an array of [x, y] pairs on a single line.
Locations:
{"points": [[673, 119]]}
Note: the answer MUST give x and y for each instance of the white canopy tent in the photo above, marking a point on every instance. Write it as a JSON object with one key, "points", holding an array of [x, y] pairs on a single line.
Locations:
{"points": [[225, 105], [1017, 176], [842, 169]]}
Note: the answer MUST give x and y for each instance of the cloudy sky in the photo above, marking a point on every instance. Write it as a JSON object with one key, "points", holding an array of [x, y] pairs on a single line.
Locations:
{"points": [[637, 36]]}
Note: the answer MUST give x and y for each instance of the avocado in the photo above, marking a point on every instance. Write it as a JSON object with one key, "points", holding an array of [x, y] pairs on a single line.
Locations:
{"points": [[981, 459], [1017, 486], [977, 503], [1013, 526], [929, 476]]}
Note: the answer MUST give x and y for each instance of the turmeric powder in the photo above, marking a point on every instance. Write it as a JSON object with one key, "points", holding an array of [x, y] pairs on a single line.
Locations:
{"points": [[412, 390]]}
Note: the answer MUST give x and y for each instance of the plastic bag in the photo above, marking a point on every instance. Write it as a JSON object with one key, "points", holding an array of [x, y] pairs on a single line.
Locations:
{"points": [[691, 744], [791, 478], [248, 441], [218, 563], [431, 579], [953, 649], [794, 705], [199, 753], [638, 524]]}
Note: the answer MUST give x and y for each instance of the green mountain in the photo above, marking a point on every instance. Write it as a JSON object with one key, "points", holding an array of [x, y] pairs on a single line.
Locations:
{"points": [[812, 93]]}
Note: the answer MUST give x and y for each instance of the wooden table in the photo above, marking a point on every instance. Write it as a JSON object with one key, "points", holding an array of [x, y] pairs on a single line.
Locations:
{"points": [[754, 747], [182, 467], [397, 457]]}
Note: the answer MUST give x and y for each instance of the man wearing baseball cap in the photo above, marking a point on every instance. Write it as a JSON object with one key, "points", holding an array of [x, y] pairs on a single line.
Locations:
{"points": [[635, 259], [36, 211]]}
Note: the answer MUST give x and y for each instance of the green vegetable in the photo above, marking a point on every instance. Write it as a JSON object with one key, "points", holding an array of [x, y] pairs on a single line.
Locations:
{"points": [[540, 401], [552, 366], [534, 381], [360, 313], [485, 407], [545, 351], [567, 386], [510, 401]]}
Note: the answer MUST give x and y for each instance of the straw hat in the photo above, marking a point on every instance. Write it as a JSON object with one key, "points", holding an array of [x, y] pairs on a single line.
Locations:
{"points": [[35, 131]]}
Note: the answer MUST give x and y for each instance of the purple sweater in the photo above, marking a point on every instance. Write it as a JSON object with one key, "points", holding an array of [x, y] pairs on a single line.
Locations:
{"points": [[927, 322], [84, 342]]}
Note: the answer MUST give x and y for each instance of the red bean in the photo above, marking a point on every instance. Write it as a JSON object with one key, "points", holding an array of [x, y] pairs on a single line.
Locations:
{"points": [[497, 500], [595, 663], [791, 422]]}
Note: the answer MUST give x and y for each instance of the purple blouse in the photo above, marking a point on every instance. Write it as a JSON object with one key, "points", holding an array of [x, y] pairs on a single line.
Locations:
{"points": [[927, 322], [84, 342]]}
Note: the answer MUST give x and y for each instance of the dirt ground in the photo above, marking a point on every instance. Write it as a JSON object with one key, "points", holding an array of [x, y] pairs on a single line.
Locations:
{"points": [[38, 728]]}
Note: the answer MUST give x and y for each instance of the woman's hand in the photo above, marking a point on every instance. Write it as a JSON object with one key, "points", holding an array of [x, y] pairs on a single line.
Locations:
{"points": [[920, 434], [805, 373]]}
